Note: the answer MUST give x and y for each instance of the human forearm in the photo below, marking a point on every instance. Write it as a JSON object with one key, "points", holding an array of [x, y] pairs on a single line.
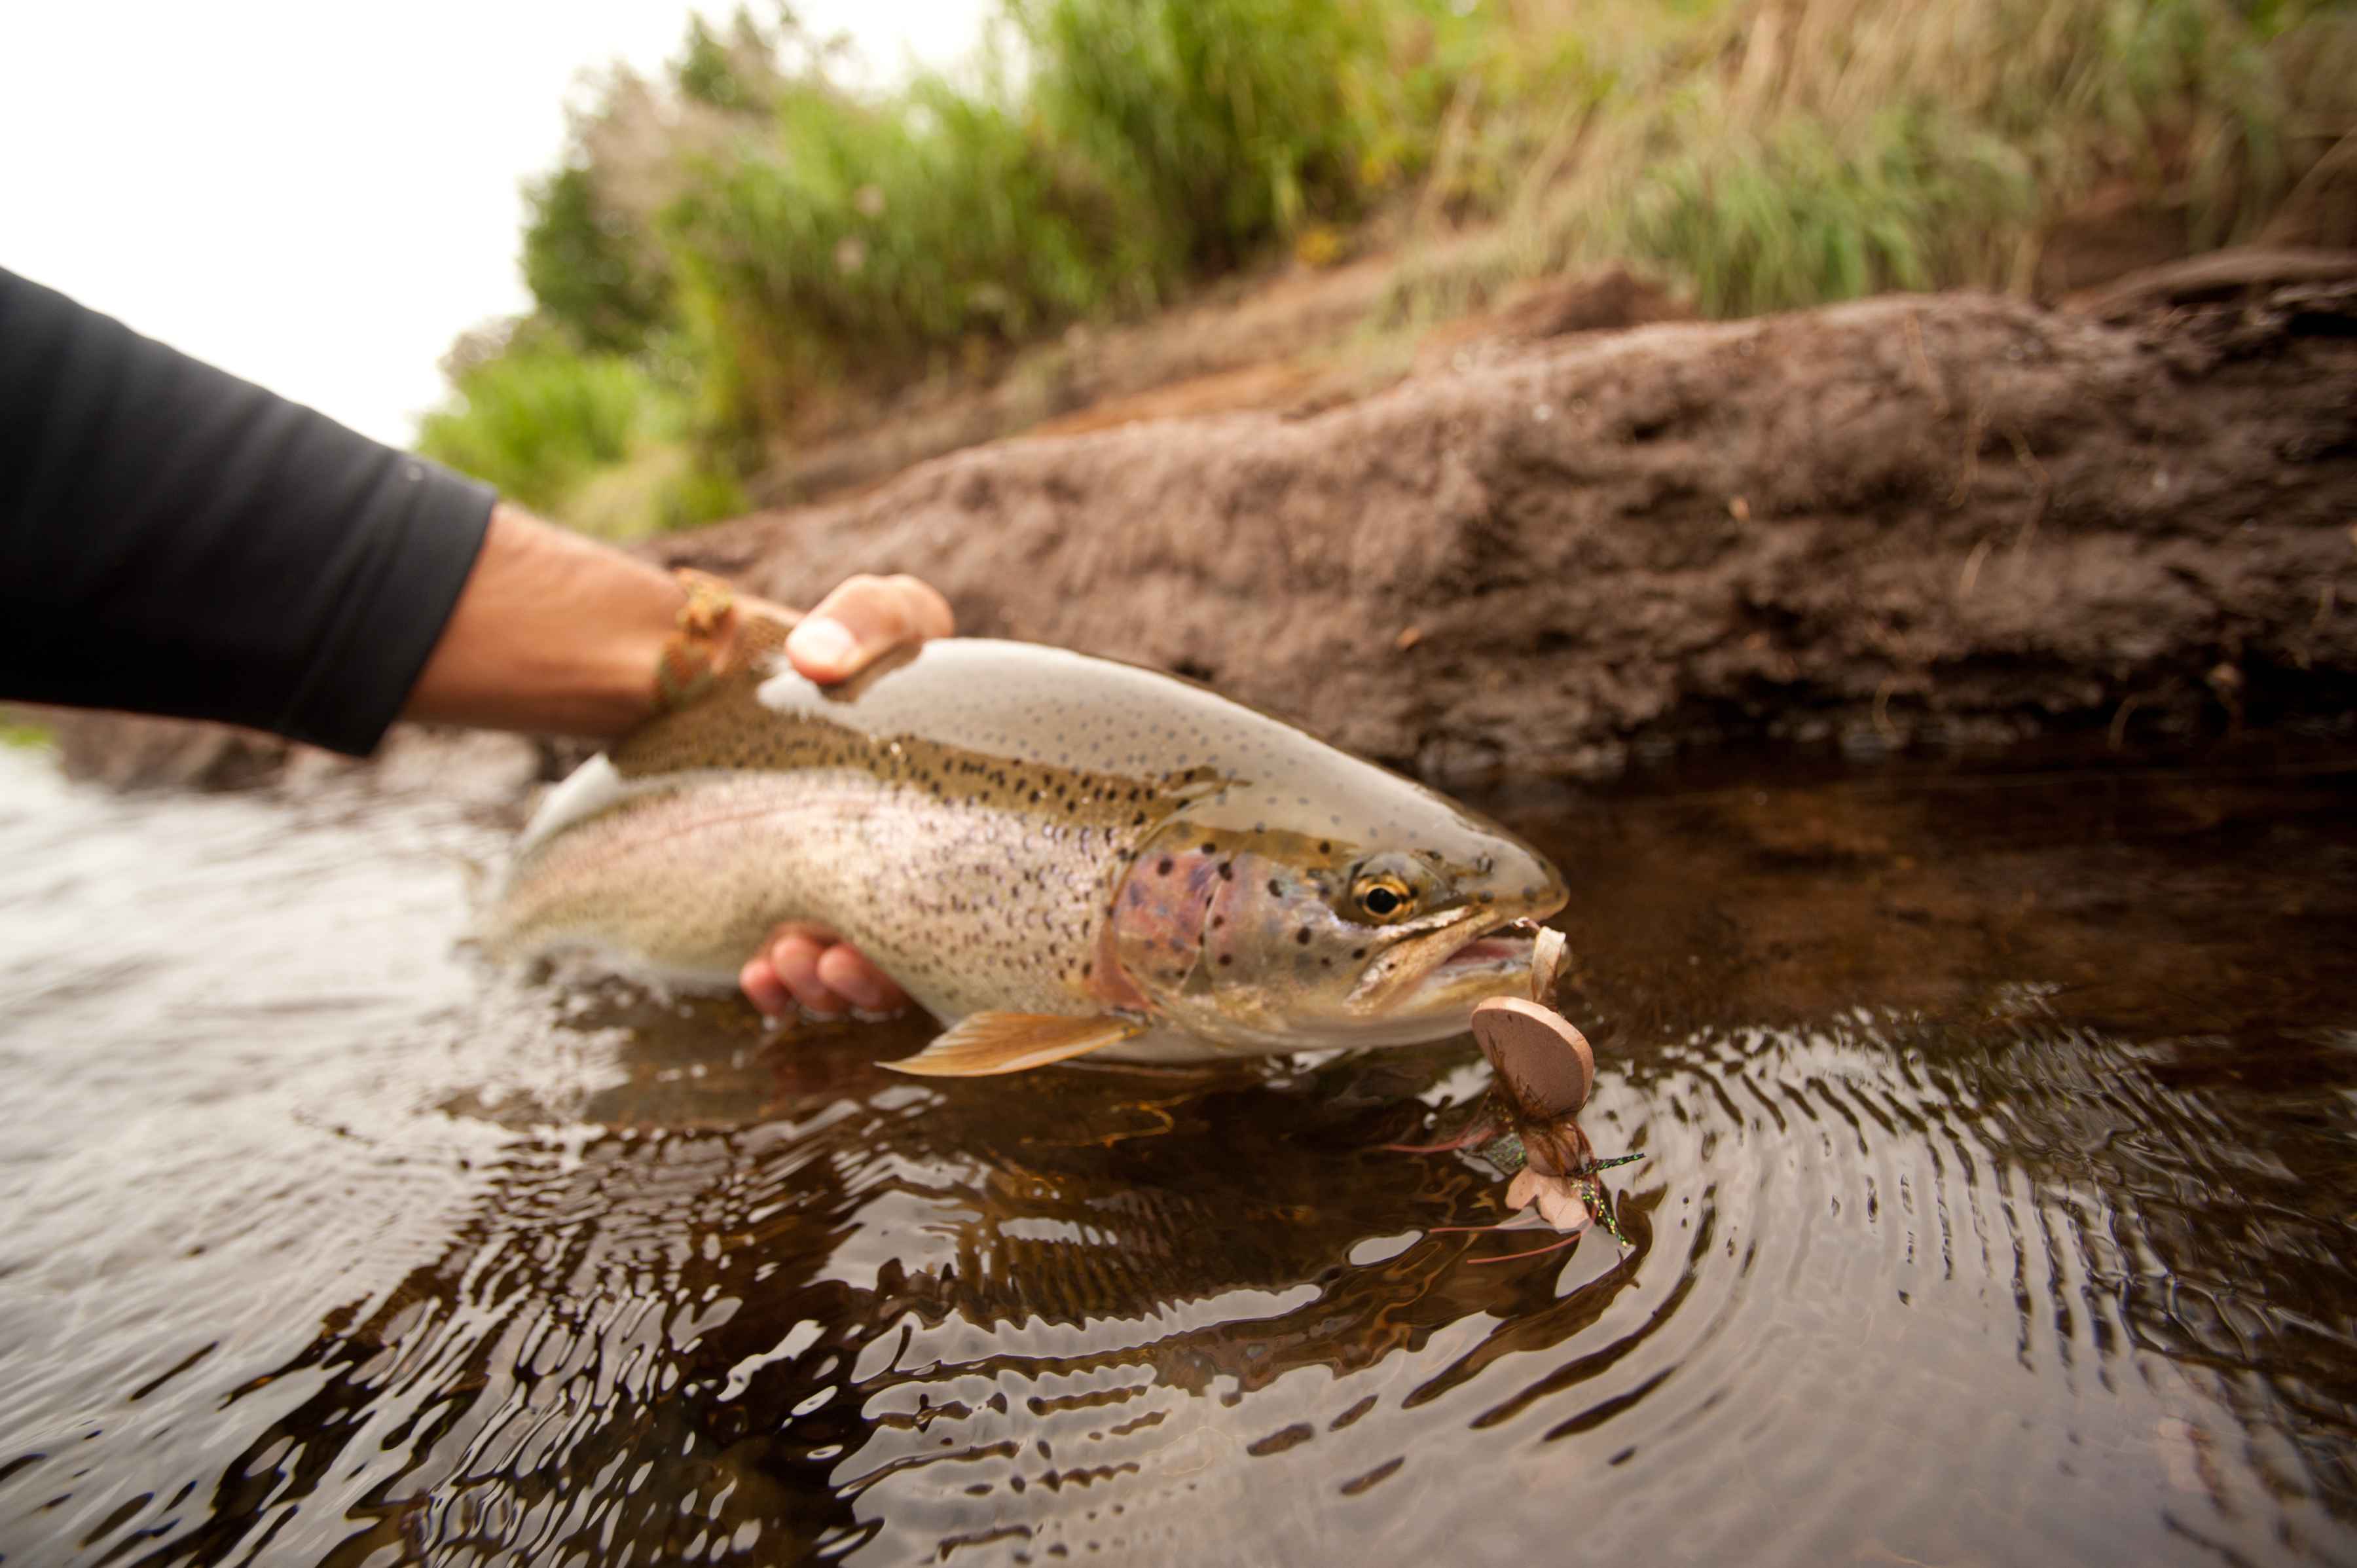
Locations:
{"points": [[553, 633], [557, 633]]}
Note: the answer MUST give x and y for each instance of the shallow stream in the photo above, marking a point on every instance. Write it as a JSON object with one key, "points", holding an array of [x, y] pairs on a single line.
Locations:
{"points": [[1999, 1205]]}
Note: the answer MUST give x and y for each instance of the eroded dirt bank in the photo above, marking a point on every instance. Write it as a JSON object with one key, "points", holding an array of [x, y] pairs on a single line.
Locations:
{"points": [[1947, 513], [1911, 517]]}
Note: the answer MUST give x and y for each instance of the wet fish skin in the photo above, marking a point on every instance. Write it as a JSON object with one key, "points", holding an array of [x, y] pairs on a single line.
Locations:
{"points": [[1124, 861]]}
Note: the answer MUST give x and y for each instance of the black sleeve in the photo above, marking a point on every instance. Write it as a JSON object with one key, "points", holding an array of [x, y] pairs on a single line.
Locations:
{"points": [[176, 541]]}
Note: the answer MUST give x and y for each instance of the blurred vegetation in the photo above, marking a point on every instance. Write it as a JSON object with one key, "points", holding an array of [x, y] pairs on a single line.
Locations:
{"points": [[598, 439], [584, 269], [1216, 124], [1781, 153], [737, 247], [861, 243]]}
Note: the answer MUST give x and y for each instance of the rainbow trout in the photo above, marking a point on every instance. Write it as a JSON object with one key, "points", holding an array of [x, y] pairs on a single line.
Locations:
{"points": [[1055, 854]]}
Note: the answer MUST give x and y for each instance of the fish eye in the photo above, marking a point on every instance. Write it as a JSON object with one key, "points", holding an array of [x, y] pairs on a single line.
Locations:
{"points": [[1383, 895]]}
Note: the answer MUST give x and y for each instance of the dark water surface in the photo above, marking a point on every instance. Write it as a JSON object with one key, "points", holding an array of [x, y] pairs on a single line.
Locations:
{"points": [[1999, 1206]]}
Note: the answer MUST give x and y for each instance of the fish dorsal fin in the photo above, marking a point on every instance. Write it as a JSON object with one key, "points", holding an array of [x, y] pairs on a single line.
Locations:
{"points": [[991, 1042]]}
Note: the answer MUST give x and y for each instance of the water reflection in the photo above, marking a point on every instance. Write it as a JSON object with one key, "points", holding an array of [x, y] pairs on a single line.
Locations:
{"points": [[2013, 1227]]}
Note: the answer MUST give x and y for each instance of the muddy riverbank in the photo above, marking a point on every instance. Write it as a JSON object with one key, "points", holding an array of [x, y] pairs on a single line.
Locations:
{"points": [[1948, 515]]}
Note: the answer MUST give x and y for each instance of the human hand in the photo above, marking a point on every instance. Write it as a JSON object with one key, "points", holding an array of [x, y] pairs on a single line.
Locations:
{"points": [[860, 622]]}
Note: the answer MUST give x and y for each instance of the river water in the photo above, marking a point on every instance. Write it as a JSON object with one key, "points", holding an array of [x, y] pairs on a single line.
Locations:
{"points": [[1998, 1205]]}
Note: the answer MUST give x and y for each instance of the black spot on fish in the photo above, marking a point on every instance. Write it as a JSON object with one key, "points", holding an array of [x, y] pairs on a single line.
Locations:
{"points": [[1209, 846], [1226, 958], [1302, 935], [1325, 846], [1276, 888], [1164, 867], [1357, 953]]}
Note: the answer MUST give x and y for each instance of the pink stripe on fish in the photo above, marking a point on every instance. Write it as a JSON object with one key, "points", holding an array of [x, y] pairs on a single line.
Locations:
{"points": [[1160, 913]]}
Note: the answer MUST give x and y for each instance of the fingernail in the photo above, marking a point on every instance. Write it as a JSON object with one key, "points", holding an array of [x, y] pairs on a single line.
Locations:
{"points": [[825, 647]]}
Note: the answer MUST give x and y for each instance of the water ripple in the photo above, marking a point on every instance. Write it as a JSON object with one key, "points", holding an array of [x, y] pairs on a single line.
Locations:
{"points": [[420, 1264]]}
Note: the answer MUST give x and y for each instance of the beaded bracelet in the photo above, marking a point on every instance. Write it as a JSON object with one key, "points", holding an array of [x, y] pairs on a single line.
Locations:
{"points": [[695, 656]]}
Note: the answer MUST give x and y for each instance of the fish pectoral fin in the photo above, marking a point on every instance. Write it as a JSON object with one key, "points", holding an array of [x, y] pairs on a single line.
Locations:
{"points": [[991, 1042]]}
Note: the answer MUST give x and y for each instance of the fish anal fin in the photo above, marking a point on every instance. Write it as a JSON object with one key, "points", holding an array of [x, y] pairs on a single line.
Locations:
{"points": [[990, 1043]]}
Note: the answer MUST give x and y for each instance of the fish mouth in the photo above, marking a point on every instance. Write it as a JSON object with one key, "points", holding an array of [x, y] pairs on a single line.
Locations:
{"points": [[1497, 959], [1505, 951], [1451, 965]]}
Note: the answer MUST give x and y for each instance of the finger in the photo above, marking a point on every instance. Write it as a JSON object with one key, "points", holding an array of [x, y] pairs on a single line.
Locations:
{"points": [[796, 958], [863, 620], [844, 971], [759, 983]]}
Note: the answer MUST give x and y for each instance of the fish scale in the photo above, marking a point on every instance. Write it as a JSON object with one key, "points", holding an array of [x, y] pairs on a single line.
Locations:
{"points": [[663, 878], [1010, 832]]}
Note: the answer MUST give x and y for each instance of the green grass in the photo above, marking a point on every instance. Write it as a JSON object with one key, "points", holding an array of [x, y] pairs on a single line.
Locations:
{"points": [[1804, 214], [832, 239], [845, 243], [543, 423], [730, 249], [1781, 153], [1222, 125], [585, 270]]}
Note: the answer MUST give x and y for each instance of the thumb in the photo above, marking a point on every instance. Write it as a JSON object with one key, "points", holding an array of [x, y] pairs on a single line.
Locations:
{"points": [[862, 621]]}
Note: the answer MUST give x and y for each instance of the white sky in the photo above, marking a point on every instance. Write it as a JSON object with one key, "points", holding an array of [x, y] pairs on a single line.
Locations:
{"points": [[319, 195]]}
